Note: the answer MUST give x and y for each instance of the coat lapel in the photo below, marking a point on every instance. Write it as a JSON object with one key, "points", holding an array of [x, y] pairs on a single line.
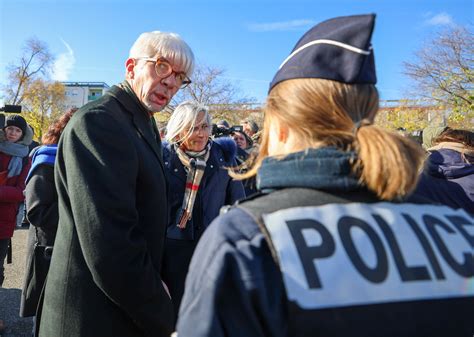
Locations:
{"points": [[145, 128], [144, 124], [176, 168]]}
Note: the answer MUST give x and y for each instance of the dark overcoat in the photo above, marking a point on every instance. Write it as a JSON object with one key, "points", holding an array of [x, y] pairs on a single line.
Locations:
{"points": [[41, 201], [104, 277]]}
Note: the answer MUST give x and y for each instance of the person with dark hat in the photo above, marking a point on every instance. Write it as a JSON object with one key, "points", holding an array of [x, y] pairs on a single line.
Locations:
{"points": [[15, 124], [15, 137], [330, 247], [14, 166]]}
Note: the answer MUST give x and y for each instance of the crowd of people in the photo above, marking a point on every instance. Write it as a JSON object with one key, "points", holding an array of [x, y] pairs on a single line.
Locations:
{"points": [[318, 223]]}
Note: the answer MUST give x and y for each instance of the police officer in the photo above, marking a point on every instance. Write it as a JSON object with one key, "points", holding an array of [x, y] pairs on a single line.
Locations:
{"points": [[329, 248]]}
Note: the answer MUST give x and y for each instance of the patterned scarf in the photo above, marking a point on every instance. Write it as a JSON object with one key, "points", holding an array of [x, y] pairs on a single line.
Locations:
{"points": [[194, 163]]}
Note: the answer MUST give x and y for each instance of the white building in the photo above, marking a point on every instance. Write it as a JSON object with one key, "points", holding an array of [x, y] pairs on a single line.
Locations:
{"points": [[80, 93]]}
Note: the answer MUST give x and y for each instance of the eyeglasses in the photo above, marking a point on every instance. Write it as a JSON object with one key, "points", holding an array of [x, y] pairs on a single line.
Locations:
{"points": [[164, 69]]}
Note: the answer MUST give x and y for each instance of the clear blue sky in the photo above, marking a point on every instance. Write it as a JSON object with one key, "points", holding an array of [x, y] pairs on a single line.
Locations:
{"points": [[249, 39]]}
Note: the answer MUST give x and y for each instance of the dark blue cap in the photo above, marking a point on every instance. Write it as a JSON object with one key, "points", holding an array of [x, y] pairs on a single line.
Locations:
{"points": [[16, 120], [338, 49]]}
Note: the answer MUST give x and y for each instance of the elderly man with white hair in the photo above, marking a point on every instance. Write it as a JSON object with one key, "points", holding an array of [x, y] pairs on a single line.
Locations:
{"points": [[104, 278]]}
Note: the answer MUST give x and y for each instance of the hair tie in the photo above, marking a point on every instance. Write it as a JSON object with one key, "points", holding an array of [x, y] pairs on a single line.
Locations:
{"points": [[359, 124]]}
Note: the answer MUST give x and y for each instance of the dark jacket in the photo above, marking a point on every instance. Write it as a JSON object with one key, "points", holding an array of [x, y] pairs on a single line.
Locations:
{"points": [[250, 186], [235, 287], [11, 194], [41, 202], [217, 189], [104, 277], [41, 199], [448, 179]]}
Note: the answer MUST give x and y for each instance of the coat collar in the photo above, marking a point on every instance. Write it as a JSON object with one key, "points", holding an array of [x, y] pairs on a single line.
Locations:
{"points": [[145, 125], [325, 168]]}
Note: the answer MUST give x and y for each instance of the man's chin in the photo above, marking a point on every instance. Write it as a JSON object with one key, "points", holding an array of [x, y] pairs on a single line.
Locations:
{"points": [[153, 107]]}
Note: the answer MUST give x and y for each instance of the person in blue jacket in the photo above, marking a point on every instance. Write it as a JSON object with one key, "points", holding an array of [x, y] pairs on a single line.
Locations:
{"points": [[199, 185], [330, 247], [448, 176], [41, 202]]}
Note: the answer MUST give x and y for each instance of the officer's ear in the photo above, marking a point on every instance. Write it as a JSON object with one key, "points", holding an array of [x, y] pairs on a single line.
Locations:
{"points": [[288, 140], [277, 137], [283, 132]]}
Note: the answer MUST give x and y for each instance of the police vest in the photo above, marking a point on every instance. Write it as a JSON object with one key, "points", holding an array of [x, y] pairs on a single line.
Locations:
{"points": [[375, 269]]}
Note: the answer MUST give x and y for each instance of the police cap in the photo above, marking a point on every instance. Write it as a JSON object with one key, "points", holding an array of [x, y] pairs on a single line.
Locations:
{"points": [[338, 49]]}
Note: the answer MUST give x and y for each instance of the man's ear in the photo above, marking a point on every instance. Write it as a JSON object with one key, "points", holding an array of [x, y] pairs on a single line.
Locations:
{"points": [[130, 68]]}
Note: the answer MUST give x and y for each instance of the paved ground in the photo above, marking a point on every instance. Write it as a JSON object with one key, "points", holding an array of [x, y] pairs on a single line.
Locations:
{"points": [[11, 291]]}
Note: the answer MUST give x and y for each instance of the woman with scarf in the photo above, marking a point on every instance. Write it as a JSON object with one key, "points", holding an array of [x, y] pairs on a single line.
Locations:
{"points": [[330, 247], [41, 201], [14, 166], [448, 177], [199, 185]]}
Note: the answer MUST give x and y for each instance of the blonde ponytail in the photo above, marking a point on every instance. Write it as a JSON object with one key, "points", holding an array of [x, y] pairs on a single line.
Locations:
{"points": [[329, 113], [388, 163]]}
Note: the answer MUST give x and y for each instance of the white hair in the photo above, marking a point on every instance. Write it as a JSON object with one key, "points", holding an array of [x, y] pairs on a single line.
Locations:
{"points": [[167, 45], [184, 119]]}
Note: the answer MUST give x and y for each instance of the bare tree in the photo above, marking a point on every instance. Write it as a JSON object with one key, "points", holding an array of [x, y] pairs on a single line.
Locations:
{"points": [[444, 70], [208, 87], [28, 85], [211, 88], [36, 61]]}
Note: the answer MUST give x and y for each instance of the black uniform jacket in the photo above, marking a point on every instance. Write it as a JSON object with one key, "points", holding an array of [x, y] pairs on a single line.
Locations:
{"points": [[234, 287], [104, 278], [339, 268]]}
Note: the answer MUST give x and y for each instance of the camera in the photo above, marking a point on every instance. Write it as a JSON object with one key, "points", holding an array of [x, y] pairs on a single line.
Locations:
{"points": [[223, 131], [15, 109]]}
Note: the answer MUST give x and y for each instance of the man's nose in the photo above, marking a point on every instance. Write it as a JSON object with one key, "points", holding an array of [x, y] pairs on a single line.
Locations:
{"points": [[170, 81]]}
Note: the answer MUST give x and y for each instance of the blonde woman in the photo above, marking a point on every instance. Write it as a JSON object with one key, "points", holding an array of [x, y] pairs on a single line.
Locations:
{"points": [[330, 248], [199, 185]]}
